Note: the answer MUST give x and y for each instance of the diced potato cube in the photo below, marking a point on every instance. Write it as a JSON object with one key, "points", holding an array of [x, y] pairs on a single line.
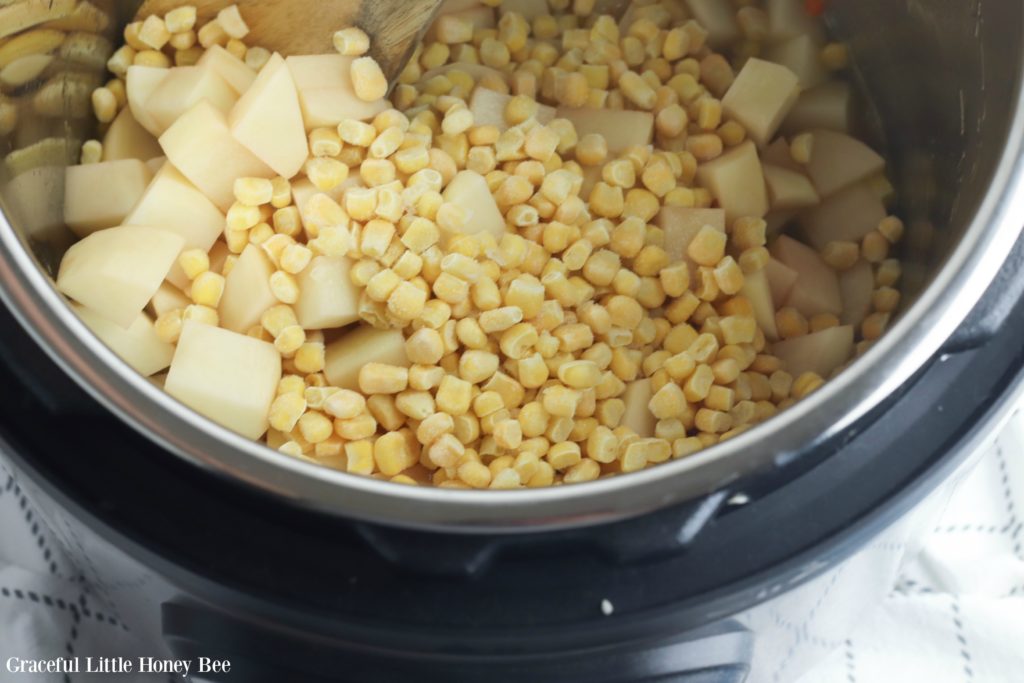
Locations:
{"points": [[230, 378], [100, 196], [268, 120], [758, 291], [778, 154], [817, 288], [801, 56], [469, 190], [174, 204], [166, 299], [116, 272], [184, 87], [761, 97], [327, 297], [821, 352], [232, 69], [138, 346], [156, 163], [788, 19], [718, 19], [247, 294], [638, 416], [141, 82], [326, 93], [736, 180], [346, 356], [788, 189], [829, 107], [126, 139], [844, 217], [857, 285], [201, 146], [681, 225], [838, 161], [621, 128], [781, 279], [488, 107]]}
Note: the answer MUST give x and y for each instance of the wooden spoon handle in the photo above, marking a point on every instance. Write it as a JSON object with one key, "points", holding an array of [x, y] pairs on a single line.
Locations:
{"points": [[302, 27]]}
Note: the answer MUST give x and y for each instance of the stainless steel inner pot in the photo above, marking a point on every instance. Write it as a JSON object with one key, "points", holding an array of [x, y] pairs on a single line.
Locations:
{"points": [[943, 78]]}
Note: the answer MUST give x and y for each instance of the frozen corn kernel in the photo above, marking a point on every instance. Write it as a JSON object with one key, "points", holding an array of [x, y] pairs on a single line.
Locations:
{"points": [[231, 21], [154, 32], [253, 191], [92, 152], [708, 247], [368, 81], [104, 105], [351, 41], [181, 19], [194, 262], [207, 289]]}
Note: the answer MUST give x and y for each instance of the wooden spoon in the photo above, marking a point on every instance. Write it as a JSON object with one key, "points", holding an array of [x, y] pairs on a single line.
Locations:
{"points": [[303, 27]]}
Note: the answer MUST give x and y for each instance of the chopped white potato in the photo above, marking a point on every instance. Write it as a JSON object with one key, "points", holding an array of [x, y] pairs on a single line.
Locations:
{"points": [[327, 297], [141, 82], [681, 225], [232, 69], [201, 146], [621, 128], [758, 291], [801, 55], [138, 346], [247, 294], [828, 107], [846, 216], [736, 180], [272, 104], [788, 189], [469, 191], [156, 163], [781, 279], [821, 352], [126, 139], [816, 289], [488, 107], [166, 299], [778, 154], [346, 356], [174, 204], [761, 97], [857, 285], [788, 19], [326, 92], [838, 161], [230, 378], [116, 272], [718, 19], [184, 87], [100, 196], [638, 416]]}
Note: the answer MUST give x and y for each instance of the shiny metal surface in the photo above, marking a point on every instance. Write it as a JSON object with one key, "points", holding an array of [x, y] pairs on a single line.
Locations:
{"points": [[943, 76]]}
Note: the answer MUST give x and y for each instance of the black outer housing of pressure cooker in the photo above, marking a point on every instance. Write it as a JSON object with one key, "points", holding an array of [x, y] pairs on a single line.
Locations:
{"points": [[288, 594]]}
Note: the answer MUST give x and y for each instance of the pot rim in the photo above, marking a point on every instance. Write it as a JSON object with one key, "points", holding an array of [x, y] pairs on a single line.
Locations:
{"points": [[915, 338]]}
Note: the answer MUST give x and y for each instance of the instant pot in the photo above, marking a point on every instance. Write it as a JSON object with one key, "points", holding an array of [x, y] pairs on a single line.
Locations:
{"points": [[744, 562]]}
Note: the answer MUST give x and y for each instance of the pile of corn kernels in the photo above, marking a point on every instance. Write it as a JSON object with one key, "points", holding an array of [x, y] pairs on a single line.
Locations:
{"points": [[534, 356]]}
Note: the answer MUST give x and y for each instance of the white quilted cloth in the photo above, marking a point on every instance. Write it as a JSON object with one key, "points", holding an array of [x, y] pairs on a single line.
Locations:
{"points": [[956, 615]]}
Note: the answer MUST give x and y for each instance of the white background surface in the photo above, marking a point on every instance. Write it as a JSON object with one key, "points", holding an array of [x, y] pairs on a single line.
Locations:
{"points": [[956, 614]]}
